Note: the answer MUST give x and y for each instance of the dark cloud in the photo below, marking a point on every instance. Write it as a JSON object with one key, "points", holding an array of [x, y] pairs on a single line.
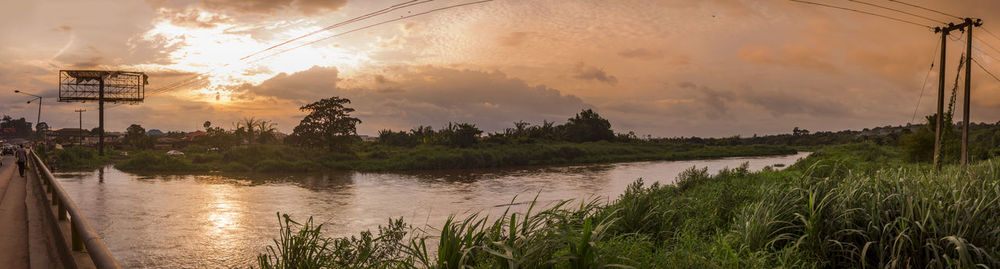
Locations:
{"points": [[514, 39], [193, 18], [780, 102], [63, 28], [269, 7], [796, 56], [641, 54], [93, 61], [312, 84], [317, 7], [584, 72], [429, 96]]}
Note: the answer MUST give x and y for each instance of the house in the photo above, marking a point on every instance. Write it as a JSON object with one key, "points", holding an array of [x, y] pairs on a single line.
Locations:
{"points": [[192, 135], [167, 143]]}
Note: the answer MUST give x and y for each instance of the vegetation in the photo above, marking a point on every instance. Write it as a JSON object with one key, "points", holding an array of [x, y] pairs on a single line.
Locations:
{"points": [[328, 124], [856, 205], [376, 157]]}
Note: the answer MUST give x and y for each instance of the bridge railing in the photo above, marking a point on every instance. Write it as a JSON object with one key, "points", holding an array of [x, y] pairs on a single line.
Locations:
{"points": [[83, 235]]}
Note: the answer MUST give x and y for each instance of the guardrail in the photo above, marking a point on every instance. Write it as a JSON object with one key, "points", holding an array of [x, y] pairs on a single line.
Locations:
{"points": [[81, 231]]}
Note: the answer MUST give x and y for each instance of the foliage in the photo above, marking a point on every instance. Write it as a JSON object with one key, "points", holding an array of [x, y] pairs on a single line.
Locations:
{"points": [[851, 206], [328, 124], [135, 136], [588, 126]]}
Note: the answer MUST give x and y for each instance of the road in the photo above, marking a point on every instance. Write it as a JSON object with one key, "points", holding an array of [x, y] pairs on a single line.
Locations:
{"points": [[13, 217]]}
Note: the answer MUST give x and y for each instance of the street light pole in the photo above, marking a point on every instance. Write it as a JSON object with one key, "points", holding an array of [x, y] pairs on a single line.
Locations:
{"points": [[38, 118]]}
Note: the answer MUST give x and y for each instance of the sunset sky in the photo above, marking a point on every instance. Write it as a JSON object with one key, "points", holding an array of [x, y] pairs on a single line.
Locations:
{"points": [[660, 67]]}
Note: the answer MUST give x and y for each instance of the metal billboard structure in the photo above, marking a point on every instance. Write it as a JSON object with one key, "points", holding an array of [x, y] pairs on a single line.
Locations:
{"points": [[102, 86]]}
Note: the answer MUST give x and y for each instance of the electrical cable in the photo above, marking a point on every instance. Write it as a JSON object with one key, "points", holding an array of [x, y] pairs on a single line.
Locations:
{"points": [[927, 9], [974, 60], [196, 78], [923, 86], [864, 12], [900, 11], [988, 32], [370, 26]]}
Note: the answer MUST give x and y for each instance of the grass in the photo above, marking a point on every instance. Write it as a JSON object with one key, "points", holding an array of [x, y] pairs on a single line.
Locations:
{"points": [[851, 206]]}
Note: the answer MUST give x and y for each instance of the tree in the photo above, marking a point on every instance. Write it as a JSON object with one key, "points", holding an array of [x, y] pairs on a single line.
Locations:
{"points": [[328, 124], [266, 131], [207, 124], [41, 128], [588, 126], [135, 136], [248, 127]]}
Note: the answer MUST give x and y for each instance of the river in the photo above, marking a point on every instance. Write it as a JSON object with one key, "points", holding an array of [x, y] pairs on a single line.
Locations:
{"points": [[212, 221]]}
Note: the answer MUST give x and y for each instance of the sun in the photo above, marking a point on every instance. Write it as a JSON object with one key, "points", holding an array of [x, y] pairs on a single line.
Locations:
{"points": [[220, 53]]}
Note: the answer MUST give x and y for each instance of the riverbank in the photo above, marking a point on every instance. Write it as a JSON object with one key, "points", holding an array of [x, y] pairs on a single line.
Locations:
{"points": [[372, 157], [854, 205]]}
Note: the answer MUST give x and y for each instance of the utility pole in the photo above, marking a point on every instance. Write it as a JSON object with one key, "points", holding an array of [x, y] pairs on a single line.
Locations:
{"points": [[939, 121], [968, 89], [80, 111], [939, 117]]}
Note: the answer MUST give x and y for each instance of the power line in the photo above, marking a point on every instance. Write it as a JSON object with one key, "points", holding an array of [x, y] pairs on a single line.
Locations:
{"points": [[927, 9], [864, 12], [370, 26], [923, 86], [985, 70], [988, 32], [359, 18], [900, 11], [987, 44], [195, 78]]}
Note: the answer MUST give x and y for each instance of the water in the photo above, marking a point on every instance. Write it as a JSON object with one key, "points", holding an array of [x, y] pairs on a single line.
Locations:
{"points": [[199, 221]]}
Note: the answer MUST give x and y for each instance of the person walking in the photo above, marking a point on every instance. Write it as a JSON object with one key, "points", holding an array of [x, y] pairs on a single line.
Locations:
{"points": [[22, 159]]}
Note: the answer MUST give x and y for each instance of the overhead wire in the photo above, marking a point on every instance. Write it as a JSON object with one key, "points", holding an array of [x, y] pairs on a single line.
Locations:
{"points": [[359, 18], [864, 12], [370, 26], [923, 86], [974, 60], [985, 43], [188, 81], [988, 32], [900, 11], [927, 9], [197, 77]]}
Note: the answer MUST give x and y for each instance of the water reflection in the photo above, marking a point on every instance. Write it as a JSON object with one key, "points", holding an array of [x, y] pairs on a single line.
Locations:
{"points": [[224, 220]]}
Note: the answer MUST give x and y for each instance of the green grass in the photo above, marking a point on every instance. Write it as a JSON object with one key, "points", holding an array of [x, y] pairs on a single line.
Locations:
{"points": [[851, 206]]}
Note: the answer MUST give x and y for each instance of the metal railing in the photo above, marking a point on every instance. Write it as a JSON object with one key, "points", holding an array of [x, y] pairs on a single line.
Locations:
{"points": [[83, 235]]}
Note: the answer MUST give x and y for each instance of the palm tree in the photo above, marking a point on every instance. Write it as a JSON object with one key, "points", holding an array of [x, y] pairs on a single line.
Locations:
{"points": [[249, 126], [266, 130]]}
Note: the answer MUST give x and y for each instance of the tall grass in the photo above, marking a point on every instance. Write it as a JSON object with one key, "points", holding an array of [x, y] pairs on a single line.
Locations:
{"points": [[826, 211]]}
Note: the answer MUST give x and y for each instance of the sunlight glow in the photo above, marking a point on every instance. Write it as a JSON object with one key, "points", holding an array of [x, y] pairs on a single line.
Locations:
{"points": [[217, 51]]}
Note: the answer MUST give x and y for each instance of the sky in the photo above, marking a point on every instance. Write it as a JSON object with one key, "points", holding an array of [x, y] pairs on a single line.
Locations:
{"points": [[664, 68]]}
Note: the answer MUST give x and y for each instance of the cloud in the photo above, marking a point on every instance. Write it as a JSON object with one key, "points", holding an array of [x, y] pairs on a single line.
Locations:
{"points": [[270, 7], [194, 18], [427, 95], [790, 55], [63, 28], [584, 72], [641, 54], [514, 39]]}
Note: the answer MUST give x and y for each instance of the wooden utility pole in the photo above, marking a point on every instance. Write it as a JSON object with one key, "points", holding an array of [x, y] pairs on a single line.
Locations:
{"points": [[80, 111], [939, 117], [968, 90], [938, 130]]}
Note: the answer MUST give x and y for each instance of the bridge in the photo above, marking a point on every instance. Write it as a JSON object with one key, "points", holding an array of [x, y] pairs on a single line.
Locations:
{"points": [[40, 226]]}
